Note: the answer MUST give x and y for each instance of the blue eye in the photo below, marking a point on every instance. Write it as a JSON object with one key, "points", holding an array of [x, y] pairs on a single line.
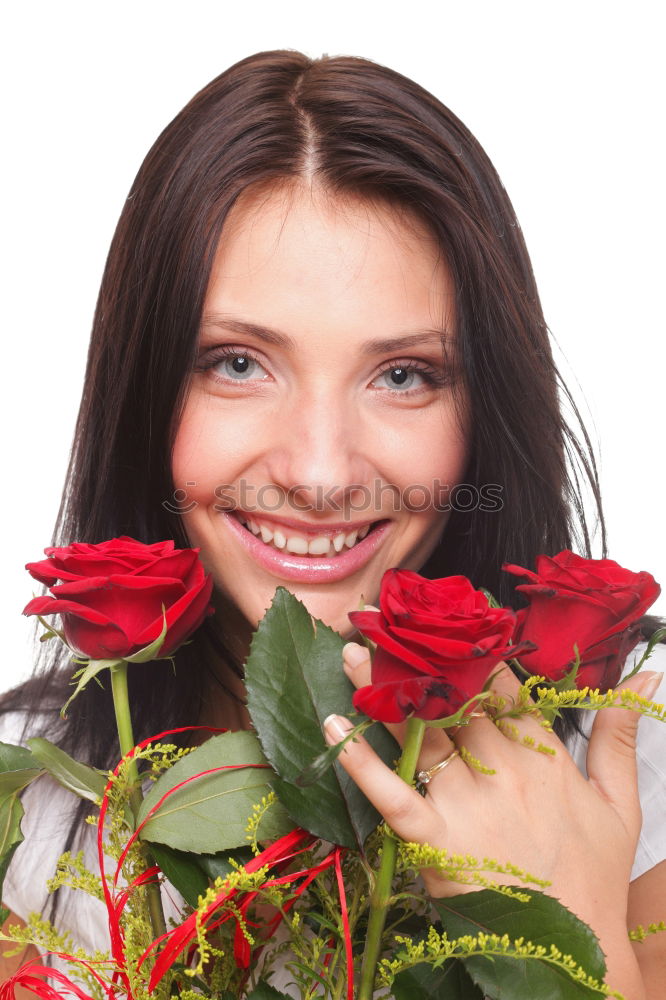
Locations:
{"points": [[234, 364], [227, 364], [402, 377]]}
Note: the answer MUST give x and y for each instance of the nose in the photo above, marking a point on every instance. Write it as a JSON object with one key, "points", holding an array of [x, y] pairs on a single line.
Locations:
{"points": [[318, 456]]}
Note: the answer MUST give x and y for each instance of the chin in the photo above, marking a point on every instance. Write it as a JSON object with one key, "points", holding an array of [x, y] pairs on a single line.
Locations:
{"points": [[336, 618], [329, 612]]}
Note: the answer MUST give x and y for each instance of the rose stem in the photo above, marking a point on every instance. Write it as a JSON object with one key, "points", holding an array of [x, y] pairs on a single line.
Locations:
{"points": [[126, 740], [381, 894]]}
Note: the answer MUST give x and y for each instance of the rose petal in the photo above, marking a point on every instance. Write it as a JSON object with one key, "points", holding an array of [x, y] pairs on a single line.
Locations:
{"points": [[183, 618], [113, 593], [51, 606]]}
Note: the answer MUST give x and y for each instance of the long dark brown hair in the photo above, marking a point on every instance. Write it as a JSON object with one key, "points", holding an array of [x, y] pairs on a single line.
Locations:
{"points": [[357, 128]]}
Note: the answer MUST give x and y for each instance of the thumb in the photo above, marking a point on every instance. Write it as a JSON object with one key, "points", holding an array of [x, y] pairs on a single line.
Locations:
{"points": [[611, 755], [357, 660]]}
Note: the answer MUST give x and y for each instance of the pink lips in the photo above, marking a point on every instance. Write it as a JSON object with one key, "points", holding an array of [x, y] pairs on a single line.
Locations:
{"points": [[309, 569]]}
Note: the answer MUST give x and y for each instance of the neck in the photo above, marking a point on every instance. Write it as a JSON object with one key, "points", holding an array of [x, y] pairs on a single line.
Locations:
{"points": [[225, 699], [224, 707]]}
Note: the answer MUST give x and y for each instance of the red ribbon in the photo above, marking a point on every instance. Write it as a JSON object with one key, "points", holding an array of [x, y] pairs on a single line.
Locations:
{"points": [[31, 977], [172, 944], [115, 903], [345, 923]]}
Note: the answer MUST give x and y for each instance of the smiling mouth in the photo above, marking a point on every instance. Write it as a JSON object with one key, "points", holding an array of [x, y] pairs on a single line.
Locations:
{"points": [[291, 542]]}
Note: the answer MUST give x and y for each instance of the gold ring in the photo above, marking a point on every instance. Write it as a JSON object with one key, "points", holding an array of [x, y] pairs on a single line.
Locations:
{"points": [[425, 776]]}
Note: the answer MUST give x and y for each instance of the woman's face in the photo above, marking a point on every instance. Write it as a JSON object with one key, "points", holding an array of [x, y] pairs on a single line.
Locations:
{"points": [[337, 446]]}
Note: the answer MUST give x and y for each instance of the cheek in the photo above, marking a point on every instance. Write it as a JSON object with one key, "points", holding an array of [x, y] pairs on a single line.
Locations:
{"points": [[216, 445], [427, 458], [209, 449]]}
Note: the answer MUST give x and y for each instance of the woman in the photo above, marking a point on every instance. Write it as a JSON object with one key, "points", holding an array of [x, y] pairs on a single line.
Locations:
{"points": [[317, 304]]}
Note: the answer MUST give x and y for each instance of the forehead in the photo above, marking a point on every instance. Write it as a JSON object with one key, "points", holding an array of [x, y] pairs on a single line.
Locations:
{"points": [[304, 198], [343, 255]]}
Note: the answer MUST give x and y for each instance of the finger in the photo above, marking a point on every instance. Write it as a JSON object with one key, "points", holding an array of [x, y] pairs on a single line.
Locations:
{"points": [[492, 740], [405, 811], [357, 663], [437, 746], [506, 687], [611, 755], [356, 658], [477, 731]]}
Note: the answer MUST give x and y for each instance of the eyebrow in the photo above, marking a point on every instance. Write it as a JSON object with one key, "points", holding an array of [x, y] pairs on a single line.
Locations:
{"points": [[381, 345]]}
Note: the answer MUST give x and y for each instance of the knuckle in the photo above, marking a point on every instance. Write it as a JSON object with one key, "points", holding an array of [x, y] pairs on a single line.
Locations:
{"points": [[400, 809], [625, 742]]}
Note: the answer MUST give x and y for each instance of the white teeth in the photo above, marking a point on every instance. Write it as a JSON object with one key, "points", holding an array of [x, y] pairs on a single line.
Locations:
{"points": [[319, 546], [339, 541], [279, 539], [266, 534], [298, 546], [322, 545]]}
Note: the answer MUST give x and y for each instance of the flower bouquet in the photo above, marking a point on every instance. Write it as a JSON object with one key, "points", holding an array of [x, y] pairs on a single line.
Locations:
{"points": [[285, 872]]}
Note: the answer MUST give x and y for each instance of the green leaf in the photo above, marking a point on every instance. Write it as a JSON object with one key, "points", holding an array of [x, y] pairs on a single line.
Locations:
{"points": [[51, 630], [449, 981], [219, 865], [264, 991], [543, 921], [84, 675], [182, 871], [13, 758], [18, 768], [150, 651], [294, 680], [654, 639], [86, 782], [16, 781], [191, 874], [320, 765], [490, 597], [11, 814], [210, 813]]}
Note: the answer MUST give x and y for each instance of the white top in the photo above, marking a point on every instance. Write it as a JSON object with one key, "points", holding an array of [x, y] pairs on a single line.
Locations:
{"points": [[48, 810], [650, 763]]}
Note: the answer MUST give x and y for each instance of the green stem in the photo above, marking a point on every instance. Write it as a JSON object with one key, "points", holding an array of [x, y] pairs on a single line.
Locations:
{"points": [[381, 894], [519, 667], [126, 740]]}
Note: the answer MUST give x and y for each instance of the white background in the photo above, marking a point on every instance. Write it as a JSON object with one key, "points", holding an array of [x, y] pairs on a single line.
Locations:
{"points": [[567, 99]]}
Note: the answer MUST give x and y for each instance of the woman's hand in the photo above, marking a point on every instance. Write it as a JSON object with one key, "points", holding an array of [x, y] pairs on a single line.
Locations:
{"points": [[537, 811]]}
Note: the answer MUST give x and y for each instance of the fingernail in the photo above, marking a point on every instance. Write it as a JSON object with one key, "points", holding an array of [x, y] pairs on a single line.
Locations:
{"points": [[336, 728], [354, 654], [370, 607], [648, 683]]}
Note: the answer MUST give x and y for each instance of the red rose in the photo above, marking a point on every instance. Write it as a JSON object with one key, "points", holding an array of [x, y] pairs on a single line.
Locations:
{"points": [[594, 603], [437, 642], [112, 594]]}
